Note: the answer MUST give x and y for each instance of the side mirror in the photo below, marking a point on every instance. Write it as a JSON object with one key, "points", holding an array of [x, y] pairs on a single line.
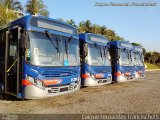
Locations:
{"points": [[23, 39], [142, 57], [85, 49], [70, 39], [118, 53], [109, 57], [134, 58]]}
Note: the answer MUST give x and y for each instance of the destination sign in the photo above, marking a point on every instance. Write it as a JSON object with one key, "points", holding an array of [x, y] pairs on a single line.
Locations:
{"points": [[53, 25], [98, 39], [138, 48], [127, 45]]}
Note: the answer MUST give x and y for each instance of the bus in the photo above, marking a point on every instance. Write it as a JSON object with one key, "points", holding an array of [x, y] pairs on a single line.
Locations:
{"points": [[121, 61], [39, 58], [95, 60], [138, 62]]}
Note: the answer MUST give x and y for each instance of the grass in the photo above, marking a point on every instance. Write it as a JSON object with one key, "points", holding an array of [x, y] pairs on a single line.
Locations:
{"points": [[151, 66]]}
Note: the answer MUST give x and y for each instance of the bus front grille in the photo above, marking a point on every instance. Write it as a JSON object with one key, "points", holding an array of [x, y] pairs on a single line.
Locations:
{"points": [[56, 90], [102, 70], [58, 73]]}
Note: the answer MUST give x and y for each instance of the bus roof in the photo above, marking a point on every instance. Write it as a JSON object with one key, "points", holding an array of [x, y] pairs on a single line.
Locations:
{"points": [[32, 22], [121, 44], [93, 38]]}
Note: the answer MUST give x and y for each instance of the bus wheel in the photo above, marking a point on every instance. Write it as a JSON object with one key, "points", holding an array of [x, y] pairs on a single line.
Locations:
{"points": [[1, 88]]}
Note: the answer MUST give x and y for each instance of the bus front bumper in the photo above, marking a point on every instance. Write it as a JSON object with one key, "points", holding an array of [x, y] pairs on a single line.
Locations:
{"points": [[139, 75], [124, 78], [97, 82], [33, 92]]}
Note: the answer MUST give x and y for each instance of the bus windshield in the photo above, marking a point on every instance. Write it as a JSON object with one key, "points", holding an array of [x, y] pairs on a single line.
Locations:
{"points": [[125, 58], [98, 55], [43, 51], [138, 59]]}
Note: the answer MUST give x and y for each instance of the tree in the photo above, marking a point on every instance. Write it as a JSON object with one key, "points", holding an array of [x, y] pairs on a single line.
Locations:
{"points": [[12, 5], [155, 56], [148, 57], [85, 26], [158, 60], [110, 34], [117, 37], [152, 57], [88, 26], [96, 28], [144, 51], [36, 7], [8, 11], [72, 22], [136, 44], [103, 30], [81, 27]]}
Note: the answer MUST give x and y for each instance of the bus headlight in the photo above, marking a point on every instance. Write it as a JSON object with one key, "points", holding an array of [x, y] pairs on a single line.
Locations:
{"points": [[88, 75], [30, 79], [92, 76], [39, 83], [36, 82]]}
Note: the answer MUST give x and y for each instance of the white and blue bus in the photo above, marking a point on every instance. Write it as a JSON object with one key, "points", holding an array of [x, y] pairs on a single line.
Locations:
{"points": [[121, 60], [138, 62], [95, 60], [39, 58]]}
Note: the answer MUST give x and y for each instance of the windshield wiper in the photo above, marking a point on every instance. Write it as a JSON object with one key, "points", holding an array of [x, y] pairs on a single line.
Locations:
{"points": [[128, 55], [51, 39], [99, 50], [105, 52], [66, 45]]}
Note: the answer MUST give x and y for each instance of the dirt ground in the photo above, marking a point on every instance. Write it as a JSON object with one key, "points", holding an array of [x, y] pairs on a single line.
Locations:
{"points": [[139, 96]]}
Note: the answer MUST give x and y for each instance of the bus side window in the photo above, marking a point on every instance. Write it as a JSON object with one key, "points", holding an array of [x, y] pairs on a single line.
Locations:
{"points": [[12, 46]]}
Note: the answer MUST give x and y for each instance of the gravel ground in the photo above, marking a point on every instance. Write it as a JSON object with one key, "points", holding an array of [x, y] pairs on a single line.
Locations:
{"points": [[139, 96]]}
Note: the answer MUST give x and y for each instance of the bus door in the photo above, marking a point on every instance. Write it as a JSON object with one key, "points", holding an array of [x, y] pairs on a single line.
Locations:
{"points": [[12, 62]]}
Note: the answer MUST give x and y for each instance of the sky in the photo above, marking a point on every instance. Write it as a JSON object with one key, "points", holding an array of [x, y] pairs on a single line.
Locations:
{"points": [[140, 24]]}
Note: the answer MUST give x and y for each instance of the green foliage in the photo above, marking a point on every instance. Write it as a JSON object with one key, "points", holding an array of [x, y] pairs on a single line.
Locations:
{"points": [[144, 51], [12, 5], [152, 66], [87, 26], [36, 7], [136, 44], [9, 10], [152, 57], [72, 22], [119, 38], [7, 15]]}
